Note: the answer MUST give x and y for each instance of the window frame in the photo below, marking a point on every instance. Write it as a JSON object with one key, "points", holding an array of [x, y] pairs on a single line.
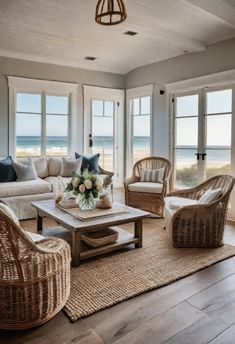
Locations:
{"points": [[138, 92], [44, 88]]}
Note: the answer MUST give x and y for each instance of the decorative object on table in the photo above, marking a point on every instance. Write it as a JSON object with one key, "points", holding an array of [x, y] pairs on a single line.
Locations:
{"points": [[100, 237], [105, 200], [110, 12], [148, 185], [87, 186]]}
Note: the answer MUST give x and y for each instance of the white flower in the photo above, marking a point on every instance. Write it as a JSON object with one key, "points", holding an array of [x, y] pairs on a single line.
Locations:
{"points": [[99, 184], [82, 188], [88, 184], [75, 182]]}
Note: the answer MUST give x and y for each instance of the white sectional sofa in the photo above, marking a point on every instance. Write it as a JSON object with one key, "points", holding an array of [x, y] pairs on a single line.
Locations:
{"points": [[19, 195]]}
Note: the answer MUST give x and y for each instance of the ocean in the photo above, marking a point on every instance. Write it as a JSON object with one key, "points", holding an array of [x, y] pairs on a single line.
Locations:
{"points": [[59, 143]]}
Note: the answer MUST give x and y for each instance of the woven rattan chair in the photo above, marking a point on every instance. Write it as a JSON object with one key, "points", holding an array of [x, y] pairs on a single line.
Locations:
{"points": [[200, 225], [34, 277], [149, 201]]}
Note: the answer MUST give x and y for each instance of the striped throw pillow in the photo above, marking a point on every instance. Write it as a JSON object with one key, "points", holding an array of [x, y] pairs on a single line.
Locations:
{"points": [[152, 175]]}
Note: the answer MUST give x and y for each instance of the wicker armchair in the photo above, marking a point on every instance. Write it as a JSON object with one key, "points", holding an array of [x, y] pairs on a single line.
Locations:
{"points": [[34, 277], [149, 201], [200, 225]]}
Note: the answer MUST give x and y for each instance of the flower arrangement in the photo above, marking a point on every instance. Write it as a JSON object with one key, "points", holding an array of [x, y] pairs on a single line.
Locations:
{"points": [[87, 186]]}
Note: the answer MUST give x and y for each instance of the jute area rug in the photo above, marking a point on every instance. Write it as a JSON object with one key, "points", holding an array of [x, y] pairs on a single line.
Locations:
{"points": [[106, 281]]}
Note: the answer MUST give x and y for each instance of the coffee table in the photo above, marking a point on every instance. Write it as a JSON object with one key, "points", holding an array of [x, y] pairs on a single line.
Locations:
{"points": [[47, 208]]}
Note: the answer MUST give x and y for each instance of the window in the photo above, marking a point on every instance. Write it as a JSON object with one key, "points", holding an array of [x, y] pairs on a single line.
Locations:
{"points": [[139, 137], [141, 116], [42, 120]]}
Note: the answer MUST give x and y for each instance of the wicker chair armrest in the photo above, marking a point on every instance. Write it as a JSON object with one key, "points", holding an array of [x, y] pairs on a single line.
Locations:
{"points": [[108, 173], [131, 180], [186, 193]]}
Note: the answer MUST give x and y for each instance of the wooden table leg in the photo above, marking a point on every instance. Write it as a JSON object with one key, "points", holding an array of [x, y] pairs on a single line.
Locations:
{"points": [[39, 222], [139, 233], [76, 248]]}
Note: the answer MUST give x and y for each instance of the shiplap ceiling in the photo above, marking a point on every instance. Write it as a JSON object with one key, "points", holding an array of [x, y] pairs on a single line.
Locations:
{"points": [[64, 31]]}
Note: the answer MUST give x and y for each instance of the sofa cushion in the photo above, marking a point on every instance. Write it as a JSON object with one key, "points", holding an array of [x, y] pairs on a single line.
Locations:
{"points": [[147, 187], [7, 172], [25, 171], [69, 166], [89, 162], [54, 166], [175, 203], [30, 187], [57, 183], [41, 166]]}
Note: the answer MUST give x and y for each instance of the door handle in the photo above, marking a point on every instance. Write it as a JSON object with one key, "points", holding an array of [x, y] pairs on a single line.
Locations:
{"points": [[90, 141], [203, 156], [198, 155]]}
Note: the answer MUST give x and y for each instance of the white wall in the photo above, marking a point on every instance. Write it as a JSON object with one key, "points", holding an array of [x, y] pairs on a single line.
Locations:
{"points": [[15, 67], [216, 58]]}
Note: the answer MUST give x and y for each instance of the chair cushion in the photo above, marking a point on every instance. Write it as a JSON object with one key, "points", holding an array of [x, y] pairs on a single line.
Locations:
{"points": [[9, 212], [35, 237], [7, 172], [57, 183], [147, 187], [152, 175], [69, 166], [25, 171], [210, 196], [30, 187], [176, 203], [89, 162]]}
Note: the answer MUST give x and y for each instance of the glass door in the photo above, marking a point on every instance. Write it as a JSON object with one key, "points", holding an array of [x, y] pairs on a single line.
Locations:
{"points": [[202, 135], [218, 132], [186, 142], [104, 128], [103, 132]]}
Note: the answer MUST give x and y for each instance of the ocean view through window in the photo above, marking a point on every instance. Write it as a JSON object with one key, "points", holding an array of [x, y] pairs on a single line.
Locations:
{"points": [[38, 131]]}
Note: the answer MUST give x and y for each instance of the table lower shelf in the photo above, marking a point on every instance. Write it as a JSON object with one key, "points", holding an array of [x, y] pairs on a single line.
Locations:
{"points": [[124, 239]]}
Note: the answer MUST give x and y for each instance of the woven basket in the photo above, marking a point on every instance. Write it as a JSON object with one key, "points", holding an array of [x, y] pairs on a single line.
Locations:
{"points": [[100, 237]]}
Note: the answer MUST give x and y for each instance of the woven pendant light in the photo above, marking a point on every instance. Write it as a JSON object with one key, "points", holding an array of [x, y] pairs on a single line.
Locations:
{"points": [[110, 12]]}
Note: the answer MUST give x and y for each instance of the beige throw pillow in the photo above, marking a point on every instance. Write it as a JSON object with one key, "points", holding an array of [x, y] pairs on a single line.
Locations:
{"points": [[69, 166], [210, 196], [152, 175]]}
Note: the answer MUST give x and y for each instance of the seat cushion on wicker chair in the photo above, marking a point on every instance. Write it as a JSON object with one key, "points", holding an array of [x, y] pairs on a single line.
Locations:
{"points": [[34, 236], [29, 187], [147, 187], [175, 203]]}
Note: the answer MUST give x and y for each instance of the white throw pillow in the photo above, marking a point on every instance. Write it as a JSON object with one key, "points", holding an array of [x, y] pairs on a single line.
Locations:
{"points": [[210, 196], [9, 212], [69, 166], [54, 166], [34, 236], [41, 166], [25, 171], [152, 175]]}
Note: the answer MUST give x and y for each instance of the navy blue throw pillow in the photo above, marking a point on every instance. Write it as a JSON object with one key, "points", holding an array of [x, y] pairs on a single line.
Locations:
{"points": [[7, 172], [89, 162]]}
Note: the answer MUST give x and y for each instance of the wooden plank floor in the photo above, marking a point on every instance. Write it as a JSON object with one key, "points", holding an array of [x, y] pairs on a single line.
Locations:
{"points": [[197, 309]]}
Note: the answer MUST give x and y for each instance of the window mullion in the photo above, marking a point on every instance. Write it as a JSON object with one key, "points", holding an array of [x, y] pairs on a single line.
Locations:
{"points": [[43, 127]]}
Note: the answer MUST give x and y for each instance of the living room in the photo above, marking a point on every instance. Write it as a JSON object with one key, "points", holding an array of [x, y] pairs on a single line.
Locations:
{"points": [[117, 167]]}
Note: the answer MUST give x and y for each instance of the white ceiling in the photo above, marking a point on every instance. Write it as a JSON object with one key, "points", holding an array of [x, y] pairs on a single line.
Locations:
{"points": [[64, 31]]}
